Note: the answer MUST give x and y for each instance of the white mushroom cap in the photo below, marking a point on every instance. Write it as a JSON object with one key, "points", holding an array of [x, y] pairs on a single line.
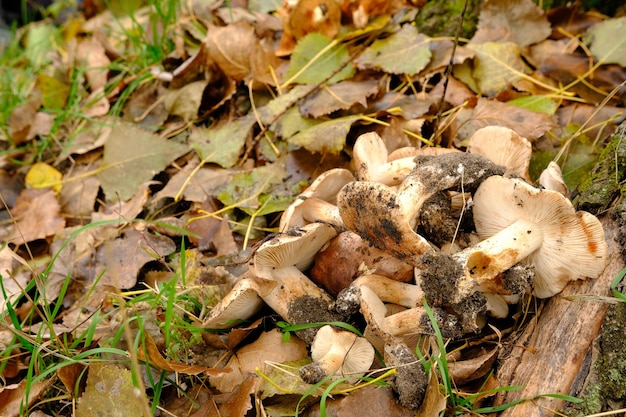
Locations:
{"points": [[324, 189], [562, 244], [551, 178], [504, 147], [338, 352], [291, 250], [241, 303], [371, 164]]}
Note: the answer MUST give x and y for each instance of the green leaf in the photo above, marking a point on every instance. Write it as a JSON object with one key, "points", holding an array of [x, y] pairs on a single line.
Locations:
{"points": [[132, 156], [326, 137], [539, 104], [605, 42], [222, 145], [404, 52], [315, 58], [496, 66], [262, 190]]}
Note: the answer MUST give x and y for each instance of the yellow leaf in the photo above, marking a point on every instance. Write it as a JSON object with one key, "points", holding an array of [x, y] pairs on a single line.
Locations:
{"points": [[42, 175]]}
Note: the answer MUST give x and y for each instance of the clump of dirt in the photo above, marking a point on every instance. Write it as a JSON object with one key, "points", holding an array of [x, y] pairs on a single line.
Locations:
{"points": [[308, 309]]}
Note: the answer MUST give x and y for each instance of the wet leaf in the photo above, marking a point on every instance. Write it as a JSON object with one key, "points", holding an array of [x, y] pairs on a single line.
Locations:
{"points": [[404, 52], [132, 156], [306, 67], [603, 43]]}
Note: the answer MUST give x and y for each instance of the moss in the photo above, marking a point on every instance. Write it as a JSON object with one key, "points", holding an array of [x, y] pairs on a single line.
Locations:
{"points": [[442, 17], [603, 184]]}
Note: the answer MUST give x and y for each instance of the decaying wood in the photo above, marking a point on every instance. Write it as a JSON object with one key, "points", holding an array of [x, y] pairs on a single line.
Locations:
{"points": [[549, 353]]}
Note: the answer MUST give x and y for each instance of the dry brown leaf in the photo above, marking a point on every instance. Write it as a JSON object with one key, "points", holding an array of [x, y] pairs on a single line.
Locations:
{"points": [[26, 122], [526, 123], [122, 258], [340, 96], [91, 55], [518, 21], [124, 210], [37, 214], [13, 397], [238, 52], [268, 347], [78, 197], [70, 375], [233, 404], [156, 360], [467, 370]]}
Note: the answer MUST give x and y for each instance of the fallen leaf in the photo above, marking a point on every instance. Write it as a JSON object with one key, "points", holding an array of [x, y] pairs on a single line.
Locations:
{"points": [[14, 397], [126, 210], [538, 104], [314, 59], [92, 57], [404, 52], [497, 65], [185, 102], [25, 122], [325, 137], [131, 157], [238, 52], [232, 404], [54, 92], [603, 43], [193, 184], [222, 145], [42, 175], [150, 354], [13, 281], [37, 214], [78, 197], [109, 392], [521, 22], [526, 123], [472, 368], [119, 260], [269, 347], [340, 96]]}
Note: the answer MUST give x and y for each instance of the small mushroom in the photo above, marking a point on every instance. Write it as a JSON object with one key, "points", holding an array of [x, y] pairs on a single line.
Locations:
{"points": [[551, 178], [318, 201], [337, 352], [504, 147], [387, 217], [371, 162]]}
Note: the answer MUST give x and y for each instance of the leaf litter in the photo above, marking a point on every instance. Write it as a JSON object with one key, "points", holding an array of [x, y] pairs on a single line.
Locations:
{"points": [[127, 162]]}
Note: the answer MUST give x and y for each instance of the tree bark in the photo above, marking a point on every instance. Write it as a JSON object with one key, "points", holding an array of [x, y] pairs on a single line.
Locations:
{"points": [[548, 355]]}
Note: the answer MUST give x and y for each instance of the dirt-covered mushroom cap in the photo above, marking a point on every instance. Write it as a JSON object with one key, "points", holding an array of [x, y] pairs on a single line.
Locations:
{"points": [[504, 147], [317, 202], [541, 227], [387, 217], [337, 352]]}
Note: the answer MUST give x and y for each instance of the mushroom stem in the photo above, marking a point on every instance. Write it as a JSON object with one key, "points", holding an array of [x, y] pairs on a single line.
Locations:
{"points": [[498, 253]]}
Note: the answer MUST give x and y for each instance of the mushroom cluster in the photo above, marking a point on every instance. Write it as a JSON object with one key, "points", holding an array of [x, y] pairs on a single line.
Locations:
{"points": [[465, 231]]}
